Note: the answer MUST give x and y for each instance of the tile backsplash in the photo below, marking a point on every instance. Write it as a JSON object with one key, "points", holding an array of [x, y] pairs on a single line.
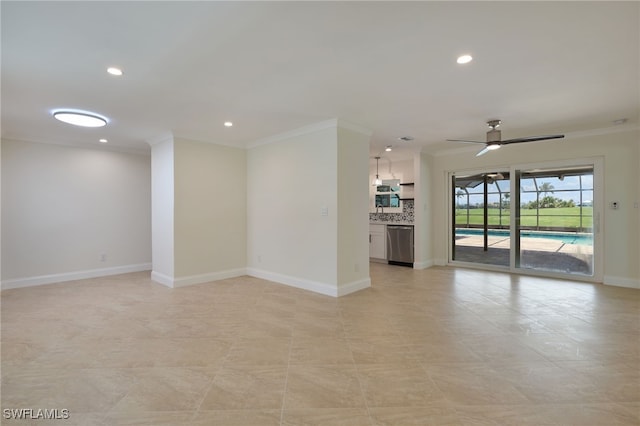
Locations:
{"points": [[406, 216]]}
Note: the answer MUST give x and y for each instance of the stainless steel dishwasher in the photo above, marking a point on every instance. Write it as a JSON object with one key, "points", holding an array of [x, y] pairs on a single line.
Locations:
{"points": [[400, 245]]}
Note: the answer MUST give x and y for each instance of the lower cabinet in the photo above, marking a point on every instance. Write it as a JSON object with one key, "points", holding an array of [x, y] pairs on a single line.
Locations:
{"points": [[377, 243]]}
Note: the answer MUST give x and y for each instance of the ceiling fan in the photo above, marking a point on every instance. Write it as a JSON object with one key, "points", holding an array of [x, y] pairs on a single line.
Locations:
{"points": [[494, 140]]}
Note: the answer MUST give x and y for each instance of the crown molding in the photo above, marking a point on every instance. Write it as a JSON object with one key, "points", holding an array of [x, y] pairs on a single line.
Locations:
{"points": [[83, 145], [354, 127], [161, 138], [312, 128], [333, 123]]}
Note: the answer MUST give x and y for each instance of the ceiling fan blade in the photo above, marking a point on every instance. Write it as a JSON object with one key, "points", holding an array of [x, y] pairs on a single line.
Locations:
{"points": [[483, 152], [531, 139], [463, 140]]}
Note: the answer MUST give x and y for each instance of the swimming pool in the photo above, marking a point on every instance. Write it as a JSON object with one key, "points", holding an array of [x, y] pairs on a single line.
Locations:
{"points": [[565, 237]]}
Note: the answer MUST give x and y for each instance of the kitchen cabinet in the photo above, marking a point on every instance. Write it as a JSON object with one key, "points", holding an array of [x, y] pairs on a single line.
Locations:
{"points": [[377, 243]]}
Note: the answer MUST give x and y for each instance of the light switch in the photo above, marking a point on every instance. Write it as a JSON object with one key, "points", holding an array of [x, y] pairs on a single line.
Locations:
{"points": [[324, 211]]}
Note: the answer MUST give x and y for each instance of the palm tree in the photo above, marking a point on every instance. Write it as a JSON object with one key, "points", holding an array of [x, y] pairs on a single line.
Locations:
{"points": [[545, 188], [459, 194], [506, 197]]}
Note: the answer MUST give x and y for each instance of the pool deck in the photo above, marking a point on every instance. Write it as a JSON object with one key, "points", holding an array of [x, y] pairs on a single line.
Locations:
{"points": [[526, 243], [536, 253]]}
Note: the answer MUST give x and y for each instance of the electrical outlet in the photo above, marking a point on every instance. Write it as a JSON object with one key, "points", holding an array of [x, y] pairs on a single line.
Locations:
{"points": [[103, 257]]}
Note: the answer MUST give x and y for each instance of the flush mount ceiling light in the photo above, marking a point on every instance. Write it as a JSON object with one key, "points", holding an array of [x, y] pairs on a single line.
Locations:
{"points": [[228, 124], [464, 59], [114, 71], [80, 118]]}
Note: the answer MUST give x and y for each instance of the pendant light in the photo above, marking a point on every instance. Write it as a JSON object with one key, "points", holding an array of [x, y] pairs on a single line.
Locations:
{"points": [[378, 181]]}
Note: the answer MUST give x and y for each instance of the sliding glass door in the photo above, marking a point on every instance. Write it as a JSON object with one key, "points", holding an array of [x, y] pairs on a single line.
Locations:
{"points": [[554, 222], [482, 218], [526, 218]]}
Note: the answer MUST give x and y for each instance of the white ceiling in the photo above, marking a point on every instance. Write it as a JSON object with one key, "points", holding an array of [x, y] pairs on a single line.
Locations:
{"points": [[271, 67]]}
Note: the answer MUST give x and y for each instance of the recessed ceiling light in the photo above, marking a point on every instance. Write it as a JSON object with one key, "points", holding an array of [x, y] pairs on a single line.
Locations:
{"points": [[620, 121], [103, 141], [114, 71], [464, 59], [388, 148], [228, 124], [80, 118]]}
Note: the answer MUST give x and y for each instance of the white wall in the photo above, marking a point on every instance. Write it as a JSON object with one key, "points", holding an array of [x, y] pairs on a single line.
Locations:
{"points": [[289, 184], [353, 214], [392, 169], [162, 211], [292, 182], [621, 228], [423, 209], [210, 211], [64, 207]]}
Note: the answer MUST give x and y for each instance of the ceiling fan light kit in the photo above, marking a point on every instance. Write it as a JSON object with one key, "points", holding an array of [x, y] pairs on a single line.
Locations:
{"points": [[494, 138]]}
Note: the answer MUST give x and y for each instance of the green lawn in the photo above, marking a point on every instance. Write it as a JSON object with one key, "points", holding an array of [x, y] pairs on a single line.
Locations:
{"points": [[566, 217]]}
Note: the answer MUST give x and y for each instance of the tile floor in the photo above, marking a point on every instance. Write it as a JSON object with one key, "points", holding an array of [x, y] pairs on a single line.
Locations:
{"points": [[438, 346]]}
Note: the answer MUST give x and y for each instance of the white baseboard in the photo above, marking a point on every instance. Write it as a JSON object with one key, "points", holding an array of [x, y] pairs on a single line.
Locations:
{"points": [[196, 279], [304, 284], [353, 286], [423, 265], [163, 279], [440, 262], [621, 282], [72, 276], [211, 276]]}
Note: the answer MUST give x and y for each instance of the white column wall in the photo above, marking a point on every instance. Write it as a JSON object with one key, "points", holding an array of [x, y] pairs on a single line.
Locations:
{"points": [[423, 208], [210, 211], [353, 211], [162, 212], [291, 184]]}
